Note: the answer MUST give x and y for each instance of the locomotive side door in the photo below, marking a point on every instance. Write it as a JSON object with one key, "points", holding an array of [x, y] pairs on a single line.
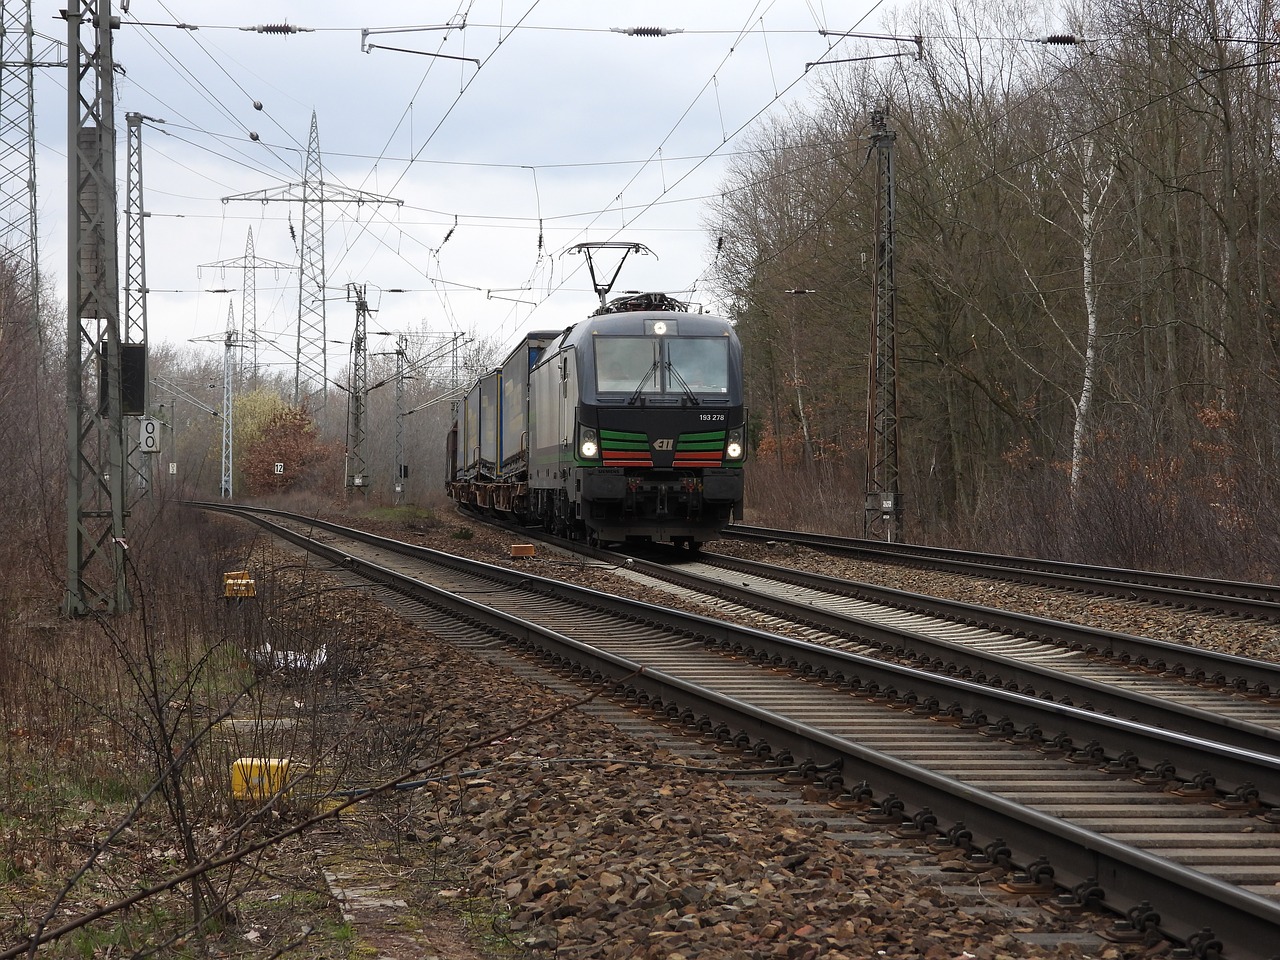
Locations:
{"points": [[568, 419]]}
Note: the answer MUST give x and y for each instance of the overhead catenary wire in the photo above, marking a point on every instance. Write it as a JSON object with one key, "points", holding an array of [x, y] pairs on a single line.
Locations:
{"points": [[453, 105], [184, 70], [715, 150], [466, 86], [658, 154], [637, 206], [253, 135]]}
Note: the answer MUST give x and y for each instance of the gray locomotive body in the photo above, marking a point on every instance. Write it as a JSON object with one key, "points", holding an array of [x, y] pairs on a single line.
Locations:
{"points": [[627, 426]]}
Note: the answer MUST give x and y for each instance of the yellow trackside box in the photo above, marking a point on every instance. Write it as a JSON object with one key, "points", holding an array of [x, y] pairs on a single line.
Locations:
{"points": [[522, 550], [259, 778], [238, 583]]}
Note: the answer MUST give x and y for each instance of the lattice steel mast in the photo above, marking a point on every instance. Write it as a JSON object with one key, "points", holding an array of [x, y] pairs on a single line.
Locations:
{"points": [[250, 264], [311, 369], [406, 369], [357, 466], [231, 342], [18, 233], [249, 303], [135, 261], [402, 359], [95, 436], [135, 282], [228, 399], [884, 499], [312, 357]]}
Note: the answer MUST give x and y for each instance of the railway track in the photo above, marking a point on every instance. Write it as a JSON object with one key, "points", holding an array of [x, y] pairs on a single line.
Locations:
{"points": [[1068, 798], [1136, 677], [1232, 597]]}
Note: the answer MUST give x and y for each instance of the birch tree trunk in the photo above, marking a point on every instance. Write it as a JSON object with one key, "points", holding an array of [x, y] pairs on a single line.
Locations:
{"points": [[798, 382], [1089, 204]]}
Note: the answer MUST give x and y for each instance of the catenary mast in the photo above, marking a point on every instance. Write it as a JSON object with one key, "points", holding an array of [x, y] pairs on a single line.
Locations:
{"points": [[95, 581], [883, 495]]}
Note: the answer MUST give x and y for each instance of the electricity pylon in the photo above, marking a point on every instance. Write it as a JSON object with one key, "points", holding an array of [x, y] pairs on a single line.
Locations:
{"points": [[250, 264], [311, 368], [18, 237], [95, 437], [883, 518]]}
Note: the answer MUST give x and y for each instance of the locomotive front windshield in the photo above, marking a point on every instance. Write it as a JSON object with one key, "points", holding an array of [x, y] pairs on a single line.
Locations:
{"points": [[653, 366], [700, 363]]}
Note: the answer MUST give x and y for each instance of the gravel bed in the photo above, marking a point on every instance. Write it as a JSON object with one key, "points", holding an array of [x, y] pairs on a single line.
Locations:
{"points": [[1239, 636], [587, 841]]}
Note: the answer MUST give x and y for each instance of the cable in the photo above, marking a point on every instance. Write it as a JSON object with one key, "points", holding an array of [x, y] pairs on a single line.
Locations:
{"points": [[233, 80], [750, 26], [452, 106], [648, 206], [459, 16], [753, 26], [185, 72]]}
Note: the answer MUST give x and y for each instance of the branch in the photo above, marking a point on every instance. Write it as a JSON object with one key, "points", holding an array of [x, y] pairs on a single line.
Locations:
{"points": [[200, 869]]}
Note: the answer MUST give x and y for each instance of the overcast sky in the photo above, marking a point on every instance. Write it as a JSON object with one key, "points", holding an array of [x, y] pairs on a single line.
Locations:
{"points": [[565, 132]]}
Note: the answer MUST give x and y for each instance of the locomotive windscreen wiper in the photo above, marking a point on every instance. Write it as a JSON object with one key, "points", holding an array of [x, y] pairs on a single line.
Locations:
{"points": [[653, 368], [688, 390]]}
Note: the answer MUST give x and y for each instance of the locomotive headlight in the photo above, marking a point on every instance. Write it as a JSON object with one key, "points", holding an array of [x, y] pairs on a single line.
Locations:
{"points": [[733, 448], [588, 445]]}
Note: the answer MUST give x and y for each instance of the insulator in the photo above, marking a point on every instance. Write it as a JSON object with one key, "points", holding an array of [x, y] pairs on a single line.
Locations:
{"points": [[273, 28], [647, 31], [1061, 39]]}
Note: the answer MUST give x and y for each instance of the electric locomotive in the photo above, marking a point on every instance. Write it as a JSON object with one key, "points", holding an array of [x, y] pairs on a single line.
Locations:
{"points": [[627, 426]]}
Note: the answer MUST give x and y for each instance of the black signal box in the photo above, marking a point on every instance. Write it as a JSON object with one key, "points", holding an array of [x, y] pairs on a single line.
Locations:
{"points": [[133, 379]]}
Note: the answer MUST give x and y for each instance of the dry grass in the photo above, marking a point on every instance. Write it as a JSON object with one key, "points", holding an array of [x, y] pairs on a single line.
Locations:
{"points": [[120, 733]]}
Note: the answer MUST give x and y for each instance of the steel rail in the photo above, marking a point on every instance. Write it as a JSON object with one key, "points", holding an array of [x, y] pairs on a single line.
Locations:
{"points": [[1189, 743], [1189, 899], [1237, 598], [1234, 674], [960, 661], [1227, 671]]}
